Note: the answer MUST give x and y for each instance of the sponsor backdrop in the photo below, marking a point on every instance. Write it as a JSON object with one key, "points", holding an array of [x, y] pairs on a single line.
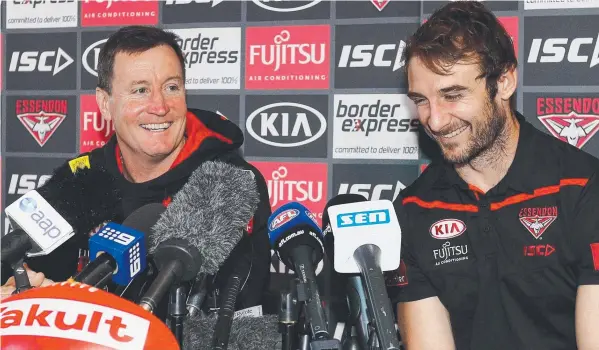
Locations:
{"points": [[316, 86]]}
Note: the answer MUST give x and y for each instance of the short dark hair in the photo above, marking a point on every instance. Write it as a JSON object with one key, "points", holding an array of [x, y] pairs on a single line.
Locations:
{"points": [[463, 30], [131, 40]]}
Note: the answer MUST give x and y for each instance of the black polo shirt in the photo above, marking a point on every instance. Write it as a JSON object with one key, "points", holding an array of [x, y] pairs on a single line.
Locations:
{"points": [[505, 264]]}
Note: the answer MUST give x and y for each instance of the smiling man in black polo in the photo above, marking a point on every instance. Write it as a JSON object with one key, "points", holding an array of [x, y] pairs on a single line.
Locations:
{"points": [[500, 242]]}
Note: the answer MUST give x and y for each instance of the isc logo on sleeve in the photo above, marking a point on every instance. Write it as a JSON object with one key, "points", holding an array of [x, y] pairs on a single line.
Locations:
{"points": [[363, 218]]}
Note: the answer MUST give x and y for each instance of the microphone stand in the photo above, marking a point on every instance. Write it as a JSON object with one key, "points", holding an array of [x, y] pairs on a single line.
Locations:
{"points": [[288, 316], [177, 311]]}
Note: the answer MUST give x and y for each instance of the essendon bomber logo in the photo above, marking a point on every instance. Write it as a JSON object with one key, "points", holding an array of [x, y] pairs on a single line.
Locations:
{"points": [[41, 118], [537, 220], [380, 4], [290, 57], [572, 120]]}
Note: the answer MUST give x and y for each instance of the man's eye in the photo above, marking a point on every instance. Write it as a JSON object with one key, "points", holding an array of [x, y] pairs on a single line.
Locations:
{"points": [[453, 97], [141, 90], [418, 101], [173, 88]]}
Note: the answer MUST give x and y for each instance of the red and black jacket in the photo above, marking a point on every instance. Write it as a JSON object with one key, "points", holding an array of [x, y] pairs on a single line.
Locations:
{"points": [[209, 137]]}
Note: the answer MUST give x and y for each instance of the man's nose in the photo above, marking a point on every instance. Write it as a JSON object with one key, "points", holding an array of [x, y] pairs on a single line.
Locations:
{"points": [[158, 104], [438, 117]]}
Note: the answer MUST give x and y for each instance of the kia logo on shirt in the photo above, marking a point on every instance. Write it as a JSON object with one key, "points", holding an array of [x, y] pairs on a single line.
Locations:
{"points": [[288, 126], [268, 10], [561, 50], [41, 61]]}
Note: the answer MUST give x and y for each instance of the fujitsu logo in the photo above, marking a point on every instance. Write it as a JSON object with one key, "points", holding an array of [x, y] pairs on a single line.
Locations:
{"points": [[94, 121], [280, 189], [282, 53]]}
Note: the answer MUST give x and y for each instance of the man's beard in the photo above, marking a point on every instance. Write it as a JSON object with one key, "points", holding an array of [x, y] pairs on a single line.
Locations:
{"points": [[486, 135]]}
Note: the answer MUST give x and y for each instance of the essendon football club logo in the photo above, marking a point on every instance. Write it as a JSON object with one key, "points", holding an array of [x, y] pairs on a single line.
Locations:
{"points": [[41, 125], [575, 129], [380, 4], [537, 220]]}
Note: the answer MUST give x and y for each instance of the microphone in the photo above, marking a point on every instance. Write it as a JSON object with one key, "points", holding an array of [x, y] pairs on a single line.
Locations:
{"points": [[67, 204], [197, 294], [352, 284], [367, 241], [201, 226], [119, 251], [247, 333], [296, 238], [239, 275], [78, 316]]}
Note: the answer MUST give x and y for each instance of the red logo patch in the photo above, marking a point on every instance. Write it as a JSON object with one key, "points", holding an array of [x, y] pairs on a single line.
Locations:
{"points": [[537, 220], [595, 253], [41, 125], [380, 4], [572, 128], [398, 277], [539, 250], [250, 227]]}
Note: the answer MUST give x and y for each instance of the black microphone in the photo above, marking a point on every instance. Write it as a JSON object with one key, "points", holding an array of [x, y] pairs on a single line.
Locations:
{"points": [[247, 333], [297, 239], [67, 204], [201, 226], [70, 202], [99, 271], [228, 298], [349, 284]]}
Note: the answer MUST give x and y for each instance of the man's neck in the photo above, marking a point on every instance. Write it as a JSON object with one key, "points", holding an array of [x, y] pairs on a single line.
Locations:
{"points": [[141, 168], [487, 170]]}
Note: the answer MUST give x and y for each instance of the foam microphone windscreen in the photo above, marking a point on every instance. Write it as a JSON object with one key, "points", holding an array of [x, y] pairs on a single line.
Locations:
{"points": [[210, 212], [247, 333], [85, 199]]}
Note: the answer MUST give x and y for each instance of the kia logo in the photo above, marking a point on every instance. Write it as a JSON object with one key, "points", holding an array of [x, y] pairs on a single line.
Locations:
{"points": [[263, 4], [286, 120], [447, 228], [95, 49]]}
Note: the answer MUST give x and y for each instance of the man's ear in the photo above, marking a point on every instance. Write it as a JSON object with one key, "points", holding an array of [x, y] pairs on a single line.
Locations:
{"points": [[102, 99], [507, 84]]}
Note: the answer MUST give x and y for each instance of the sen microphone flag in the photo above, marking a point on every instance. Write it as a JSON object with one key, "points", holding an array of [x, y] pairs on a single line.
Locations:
{"points": [[362, 223], [126, 245]]}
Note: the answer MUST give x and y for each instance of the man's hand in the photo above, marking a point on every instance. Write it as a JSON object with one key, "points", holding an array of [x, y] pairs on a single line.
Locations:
{"points": [[36, 279]]}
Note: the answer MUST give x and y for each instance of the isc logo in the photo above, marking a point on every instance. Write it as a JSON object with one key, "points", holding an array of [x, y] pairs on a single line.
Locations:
{"points": [[29, 61], [363, 218], [360, 56], [21, 184]]}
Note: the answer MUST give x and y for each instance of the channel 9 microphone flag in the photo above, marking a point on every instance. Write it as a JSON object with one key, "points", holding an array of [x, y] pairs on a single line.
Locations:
{"points": [[367, 240], [69, 316], [73, 201], [118, 252]]}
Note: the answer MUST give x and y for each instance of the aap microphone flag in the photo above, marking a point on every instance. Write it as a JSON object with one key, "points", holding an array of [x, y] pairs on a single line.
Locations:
{"points": [[71, 316]]}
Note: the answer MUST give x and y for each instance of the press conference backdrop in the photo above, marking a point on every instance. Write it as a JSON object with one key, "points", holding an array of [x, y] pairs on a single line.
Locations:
{"points": [[316, 86]]}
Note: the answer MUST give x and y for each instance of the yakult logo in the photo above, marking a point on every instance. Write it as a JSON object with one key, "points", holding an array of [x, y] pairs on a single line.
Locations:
{"points": [[73, 320], [288, 57]]}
